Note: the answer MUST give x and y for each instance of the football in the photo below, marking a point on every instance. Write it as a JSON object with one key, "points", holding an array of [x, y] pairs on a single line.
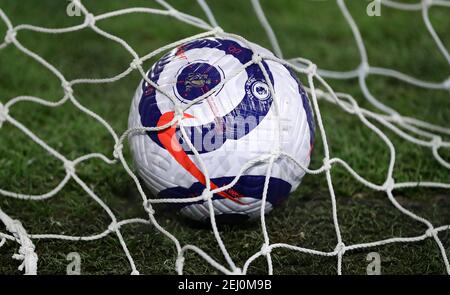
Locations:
{"points": [[231, 115]]}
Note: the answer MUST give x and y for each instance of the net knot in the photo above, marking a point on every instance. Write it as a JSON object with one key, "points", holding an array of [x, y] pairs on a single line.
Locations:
{"points": [[397, 118], [265, 249], [319, 92], [430, 232], [174, 13], [67, 87], [256, 58], [447, 84], [389, 184], [3, 114], [10, 36], [148, 207], [275, 153], [326, 164], [206, 194], [27, 255], [237, 271], [340, 248], [179, 262], [218, 31], [136, 63], [26, 250], [178, 112], [364, 68], [70, 167], [312, 69], [89, 20], [427, 3], [117, 150], [437, 141], [113, 226]]}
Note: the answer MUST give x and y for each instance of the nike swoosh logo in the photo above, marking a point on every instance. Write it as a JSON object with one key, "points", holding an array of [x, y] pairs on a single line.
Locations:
{"points": [[170, 142]]}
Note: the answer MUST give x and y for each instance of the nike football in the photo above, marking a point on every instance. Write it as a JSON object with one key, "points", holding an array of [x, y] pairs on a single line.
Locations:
{"points": [[236, 121]]}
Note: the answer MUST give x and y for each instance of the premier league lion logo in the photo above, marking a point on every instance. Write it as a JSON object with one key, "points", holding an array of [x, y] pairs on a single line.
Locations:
{"points": [[197, 80]]}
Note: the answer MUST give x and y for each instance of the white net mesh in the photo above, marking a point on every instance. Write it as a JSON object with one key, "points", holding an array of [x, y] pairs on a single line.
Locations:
{"points": [[417, 132]]}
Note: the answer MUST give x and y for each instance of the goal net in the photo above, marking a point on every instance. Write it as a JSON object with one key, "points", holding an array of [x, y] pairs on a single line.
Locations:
{"points": [[407, 128]]}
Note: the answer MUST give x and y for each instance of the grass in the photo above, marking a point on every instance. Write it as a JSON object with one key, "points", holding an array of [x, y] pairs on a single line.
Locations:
{"points": [[312, 29]]}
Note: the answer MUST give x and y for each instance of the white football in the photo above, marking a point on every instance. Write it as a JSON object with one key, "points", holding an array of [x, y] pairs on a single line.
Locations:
{"points": [[236, 123]]}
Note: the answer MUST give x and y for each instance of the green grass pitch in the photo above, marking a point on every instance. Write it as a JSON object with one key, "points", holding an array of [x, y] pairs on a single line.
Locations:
{"points": [[312, 29]]}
